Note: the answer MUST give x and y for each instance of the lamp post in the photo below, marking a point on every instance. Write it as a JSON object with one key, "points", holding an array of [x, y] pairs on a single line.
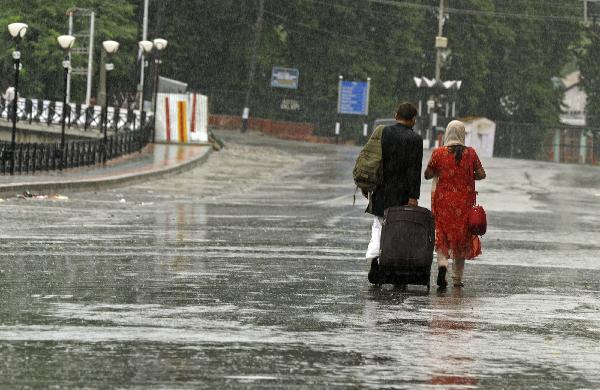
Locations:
{"points": [[17, 31], [159, 44], [66, 43], [439, 88], [110, 47], [146, 48]]}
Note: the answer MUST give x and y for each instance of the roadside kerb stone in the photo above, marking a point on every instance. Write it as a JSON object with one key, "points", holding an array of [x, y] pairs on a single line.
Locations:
{"points": [[55, 184]]}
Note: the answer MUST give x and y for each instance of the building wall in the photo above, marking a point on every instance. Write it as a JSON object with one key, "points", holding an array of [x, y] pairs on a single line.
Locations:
{"points": [[575, 101], [280, 129], [573, 144]]}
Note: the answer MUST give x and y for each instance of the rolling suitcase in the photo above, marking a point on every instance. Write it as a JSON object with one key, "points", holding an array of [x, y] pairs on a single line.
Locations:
{"points": [[407, 243]]}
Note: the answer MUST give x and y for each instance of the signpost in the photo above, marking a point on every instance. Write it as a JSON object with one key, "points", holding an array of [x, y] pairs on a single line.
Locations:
{"points": [[284, 77], [353, 97]]}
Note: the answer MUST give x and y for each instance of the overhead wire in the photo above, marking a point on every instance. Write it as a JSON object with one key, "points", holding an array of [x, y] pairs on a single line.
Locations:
{"points": [[372, 46], [474, 12], [373, 51], [372, 43], [461, 11], [333, 33], [434, 10]]}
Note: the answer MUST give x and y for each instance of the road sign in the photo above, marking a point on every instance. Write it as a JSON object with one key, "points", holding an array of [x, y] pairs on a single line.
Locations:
{"points": [[353, 97], [284, 78]]}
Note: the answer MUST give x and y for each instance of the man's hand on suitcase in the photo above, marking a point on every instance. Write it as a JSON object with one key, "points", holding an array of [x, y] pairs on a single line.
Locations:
{"points": [[413, 202]]}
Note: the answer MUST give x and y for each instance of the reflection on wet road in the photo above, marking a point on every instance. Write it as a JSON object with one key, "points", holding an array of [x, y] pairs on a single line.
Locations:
{"points": [[247, 272]]}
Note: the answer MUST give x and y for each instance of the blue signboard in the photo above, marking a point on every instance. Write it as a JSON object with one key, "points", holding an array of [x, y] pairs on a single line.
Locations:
{"points": [[353, 98]]}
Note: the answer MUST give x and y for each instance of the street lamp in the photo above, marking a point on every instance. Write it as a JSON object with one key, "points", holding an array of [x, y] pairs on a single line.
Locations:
{"points": [[66, 43], [438, 86], [146, 48], [110, 47], [159, 44], [17, 31]]}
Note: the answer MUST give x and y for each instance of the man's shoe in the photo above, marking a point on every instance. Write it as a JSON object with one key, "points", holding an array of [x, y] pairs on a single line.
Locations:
{"points": [[374, 271], [441, 278]]}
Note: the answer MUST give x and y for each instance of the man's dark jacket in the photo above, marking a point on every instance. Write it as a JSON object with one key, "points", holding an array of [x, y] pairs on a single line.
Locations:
{"points": [[402, 157]]}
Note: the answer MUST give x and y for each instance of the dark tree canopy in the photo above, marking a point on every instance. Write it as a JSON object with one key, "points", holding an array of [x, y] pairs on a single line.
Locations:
{"points": [[505, 52]]}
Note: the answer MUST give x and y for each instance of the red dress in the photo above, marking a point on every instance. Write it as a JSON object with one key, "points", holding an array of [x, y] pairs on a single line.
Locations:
{"points": [[453, 198]]}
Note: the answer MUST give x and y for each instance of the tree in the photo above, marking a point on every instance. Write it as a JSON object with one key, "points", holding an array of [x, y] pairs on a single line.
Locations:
{"points": [[41, 56], [588, 61], [506, 53], [508, 71]]}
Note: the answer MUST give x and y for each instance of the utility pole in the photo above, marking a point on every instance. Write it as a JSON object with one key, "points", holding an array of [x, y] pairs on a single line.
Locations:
{"points": [[68, 89], [143, 57], [90, 69], [439, 47], [101, 95], [253, 61], [81, 50], [441, 43]]}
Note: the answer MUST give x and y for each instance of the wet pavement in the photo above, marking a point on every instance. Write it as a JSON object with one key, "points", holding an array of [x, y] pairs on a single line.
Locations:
{"points": [[248, 273]]}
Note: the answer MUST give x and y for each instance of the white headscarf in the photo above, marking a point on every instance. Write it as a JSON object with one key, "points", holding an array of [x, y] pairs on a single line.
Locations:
{"points": [[455, 134]]}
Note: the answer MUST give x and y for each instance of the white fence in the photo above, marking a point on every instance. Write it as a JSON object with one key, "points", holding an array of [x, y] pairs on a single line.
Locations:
{"points": [[79, 116]]}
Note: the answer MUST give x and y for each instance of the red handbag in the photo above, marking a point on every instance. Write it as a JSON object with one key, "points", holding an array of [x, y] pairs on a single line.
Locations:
{"points": [[477, 216], [477, 221]]}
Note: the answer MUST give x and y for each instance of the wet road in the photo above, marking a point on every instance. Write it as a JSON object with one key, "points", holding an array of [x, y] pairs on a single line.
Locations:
{"points": [[248, 273]]}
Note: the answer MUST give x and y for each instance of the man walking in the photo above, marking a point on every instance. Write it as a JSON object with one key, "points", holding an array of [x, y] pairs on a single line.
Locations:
{"points": [[401, 158]]}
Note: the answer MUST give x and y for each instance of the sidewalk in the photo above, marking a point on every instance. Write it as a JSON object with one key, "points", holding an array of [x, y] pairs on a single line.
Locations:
{"points": [[155, 160], [25, 129]]}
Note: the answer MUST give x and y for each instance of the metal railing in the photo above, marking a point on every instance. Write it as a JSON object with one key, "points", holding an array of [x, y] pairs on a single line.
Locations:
{"points": [[32, 157], [130, 130], [80, 116]]}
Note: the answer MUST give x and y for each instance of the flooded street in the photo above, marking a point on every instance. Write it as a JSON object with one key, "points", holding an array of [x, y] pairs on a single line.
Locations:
{"points": [[248, 272]]}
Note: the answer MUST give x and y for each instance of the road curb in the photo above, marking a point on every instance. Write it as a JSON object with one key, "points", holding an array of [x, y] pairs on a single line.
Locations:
{"points": [[102, 183]]}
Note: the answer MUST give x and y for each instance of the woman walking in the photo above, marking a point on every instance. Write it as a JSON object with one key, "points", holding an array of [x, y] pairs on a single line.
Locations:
{"points": [[456, 168]]}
